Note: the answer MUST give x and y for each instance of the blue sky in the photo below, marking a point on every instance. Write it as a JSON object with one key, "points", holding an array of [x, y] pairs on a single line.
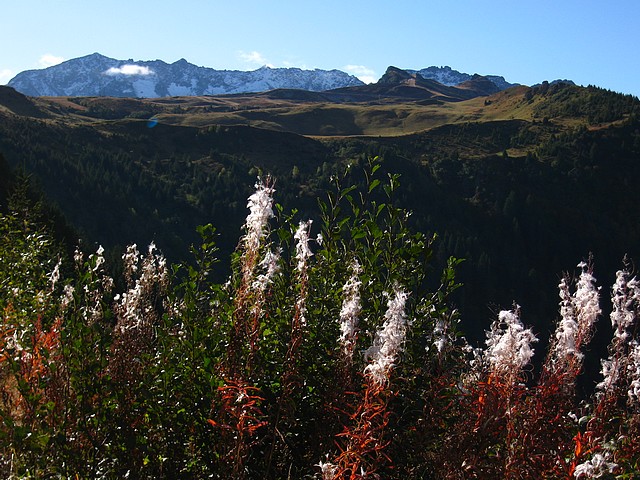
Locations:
{"points": [[590, 42]]}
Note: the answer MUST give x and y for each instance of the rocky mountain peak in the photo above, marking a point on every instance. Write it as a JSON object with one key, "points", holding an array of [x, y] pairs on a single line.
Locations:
{"points": [[98, 75], [395, 75]]}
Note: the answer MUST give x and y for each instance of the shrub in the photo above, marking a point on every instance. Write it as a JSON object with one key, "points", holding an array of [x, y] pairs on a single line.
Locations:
{"points": [[325, 354]]}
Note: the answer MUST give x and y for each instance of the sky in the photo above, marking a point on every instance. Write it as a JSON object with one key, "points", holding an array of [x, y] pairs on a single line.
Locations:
{"points": [[589, 42]]}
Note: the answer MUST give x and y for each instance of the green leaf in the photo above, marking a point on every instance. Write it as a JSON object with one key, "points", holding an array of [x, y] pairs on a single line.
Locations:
{"points": [[374, 183]]}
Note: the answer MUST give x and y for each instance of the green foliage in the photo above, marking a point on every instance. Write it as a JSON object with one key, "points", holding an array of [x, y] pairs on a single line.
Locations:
{"points": [[263, 376], [148, 382], [515, 198], [28, 256]]}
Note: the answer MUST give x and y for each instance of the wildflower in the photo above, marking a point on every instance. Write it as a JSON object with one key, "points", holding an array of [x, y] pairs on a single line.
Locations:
{"points": [[568, 326], [595, 467], [578, 314], [634, 373], [440, 337], [350, 310], [130, 259], [55, 275], [388, 340], [12, 342], [270, 266], [99, 259], [303, 252], [301, 309], [67, 296], [624, 298], [78, 257], [624, 294], [587, 303], [260, 205], [154, 269], [509, 344], [136, 305], [327, 470], [610, 374]]}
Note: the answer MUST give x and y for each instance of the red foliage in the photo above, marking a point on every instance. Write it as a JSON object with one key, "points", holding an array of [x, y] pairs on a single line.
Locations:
{"points": [[240, 417]]}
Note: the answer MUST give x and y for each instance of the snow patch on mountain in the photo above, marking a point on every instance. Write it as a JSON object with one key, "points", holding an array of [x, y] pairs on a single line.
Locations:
{"points": [[144, 88]]}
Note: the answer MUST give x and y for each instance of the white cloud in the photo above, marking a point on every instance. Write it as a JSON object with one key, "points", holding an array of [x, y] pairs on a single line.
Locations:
{"points": [[289, 64], [363, 73], [254, 58], [49, 60], [129, 70], [5, 76]]}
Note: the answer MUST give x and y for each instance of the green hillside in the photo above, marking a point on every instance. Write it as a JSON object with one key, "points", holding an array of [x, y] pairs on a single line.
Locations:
{"points": [[257, 348], [523, 184]]}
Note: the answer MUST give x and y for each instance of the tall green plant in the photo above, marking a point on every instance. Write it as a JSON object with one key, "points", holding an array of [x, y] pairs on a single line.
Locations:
{"points": [[257, 377]]}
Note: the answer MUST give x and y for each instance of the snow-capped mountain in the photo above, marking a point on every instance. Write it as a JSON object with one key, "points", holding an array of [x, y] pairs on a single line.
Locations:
{"points": [[97, 75], [448, 76]]}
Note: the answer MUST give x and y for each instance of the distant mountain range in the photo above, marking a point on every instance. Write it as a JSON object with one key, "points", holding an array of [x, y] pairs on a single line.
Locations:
{"points": [[98, 75], [406, 84], [448, 76]]}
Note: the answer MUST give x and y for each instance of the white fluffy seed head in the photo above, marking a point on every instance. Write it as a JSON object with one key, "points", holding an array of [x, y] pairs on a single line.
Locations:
{"points": [[260, 205], [595, 467], [350, 311], [634, 374], [389, 340], [624, 297], [578, 313], [587, 302], [270, 267], [327, 470], [567, 329], [303, 252], [509, 345]]}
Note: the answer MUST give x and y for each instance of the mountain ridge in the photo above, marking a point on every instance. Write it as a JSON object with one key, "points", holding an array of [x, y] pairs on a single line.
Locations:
{"points": [[99, 75], [450, 77], [399, 83]]}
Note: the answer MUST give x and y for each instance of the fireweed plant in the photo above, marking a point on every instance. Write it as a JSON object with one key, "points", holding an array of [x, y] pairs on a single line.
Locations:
{"points": [[324, 355]]}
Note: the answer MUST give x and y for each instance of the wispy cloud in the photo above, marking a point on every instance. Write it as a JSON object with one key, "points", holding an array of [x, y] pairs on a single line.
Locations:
{"points": [[129, 70], [363, 73], [49, 60], [5, 76], [290, 64], [254, 58]]}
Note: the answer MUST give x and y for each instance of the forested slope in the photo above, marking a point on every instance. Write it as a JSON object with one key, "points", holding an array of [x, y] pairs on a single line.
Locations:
{"points": [[521, 199]]}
